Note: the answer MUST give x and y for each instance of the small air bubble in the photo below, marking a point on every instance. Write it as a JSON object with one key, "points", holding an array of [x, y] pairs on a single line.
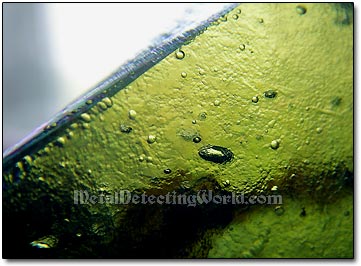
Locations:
{"points": [[167, 171], [184, 74], [223, 18], [60, 141], [235, 16], [102, 105], [180, 54], [86, 117], [275, 144], [301, 10], [132, 114], [242, 47], [151, 139], [217, 103], [107, 101]]}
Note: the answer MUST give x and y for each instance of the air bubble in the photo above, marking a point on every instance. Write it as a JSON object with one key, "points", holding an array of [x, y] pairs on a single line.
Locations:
{"points": [[242, 47], [255, 99], [223, 18], [74, 126], [301, 10], [86, 117], [28, 159], [71, 135], [132, 114], [102, 105], [180, 54], [151, 139], [107, 101], [60, 141], [167, 171], [184, 74], [217, 103], [235, 16], [275, 144]]}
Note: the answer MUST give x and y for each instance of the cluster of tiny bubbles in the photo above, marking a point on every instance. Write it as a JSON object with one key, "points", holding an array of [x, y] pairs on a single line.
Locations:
{"points": [[270, 94], [301, 10], [202, 116], [180, 54], [226, 183], [53, 125], [125, 129]]}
